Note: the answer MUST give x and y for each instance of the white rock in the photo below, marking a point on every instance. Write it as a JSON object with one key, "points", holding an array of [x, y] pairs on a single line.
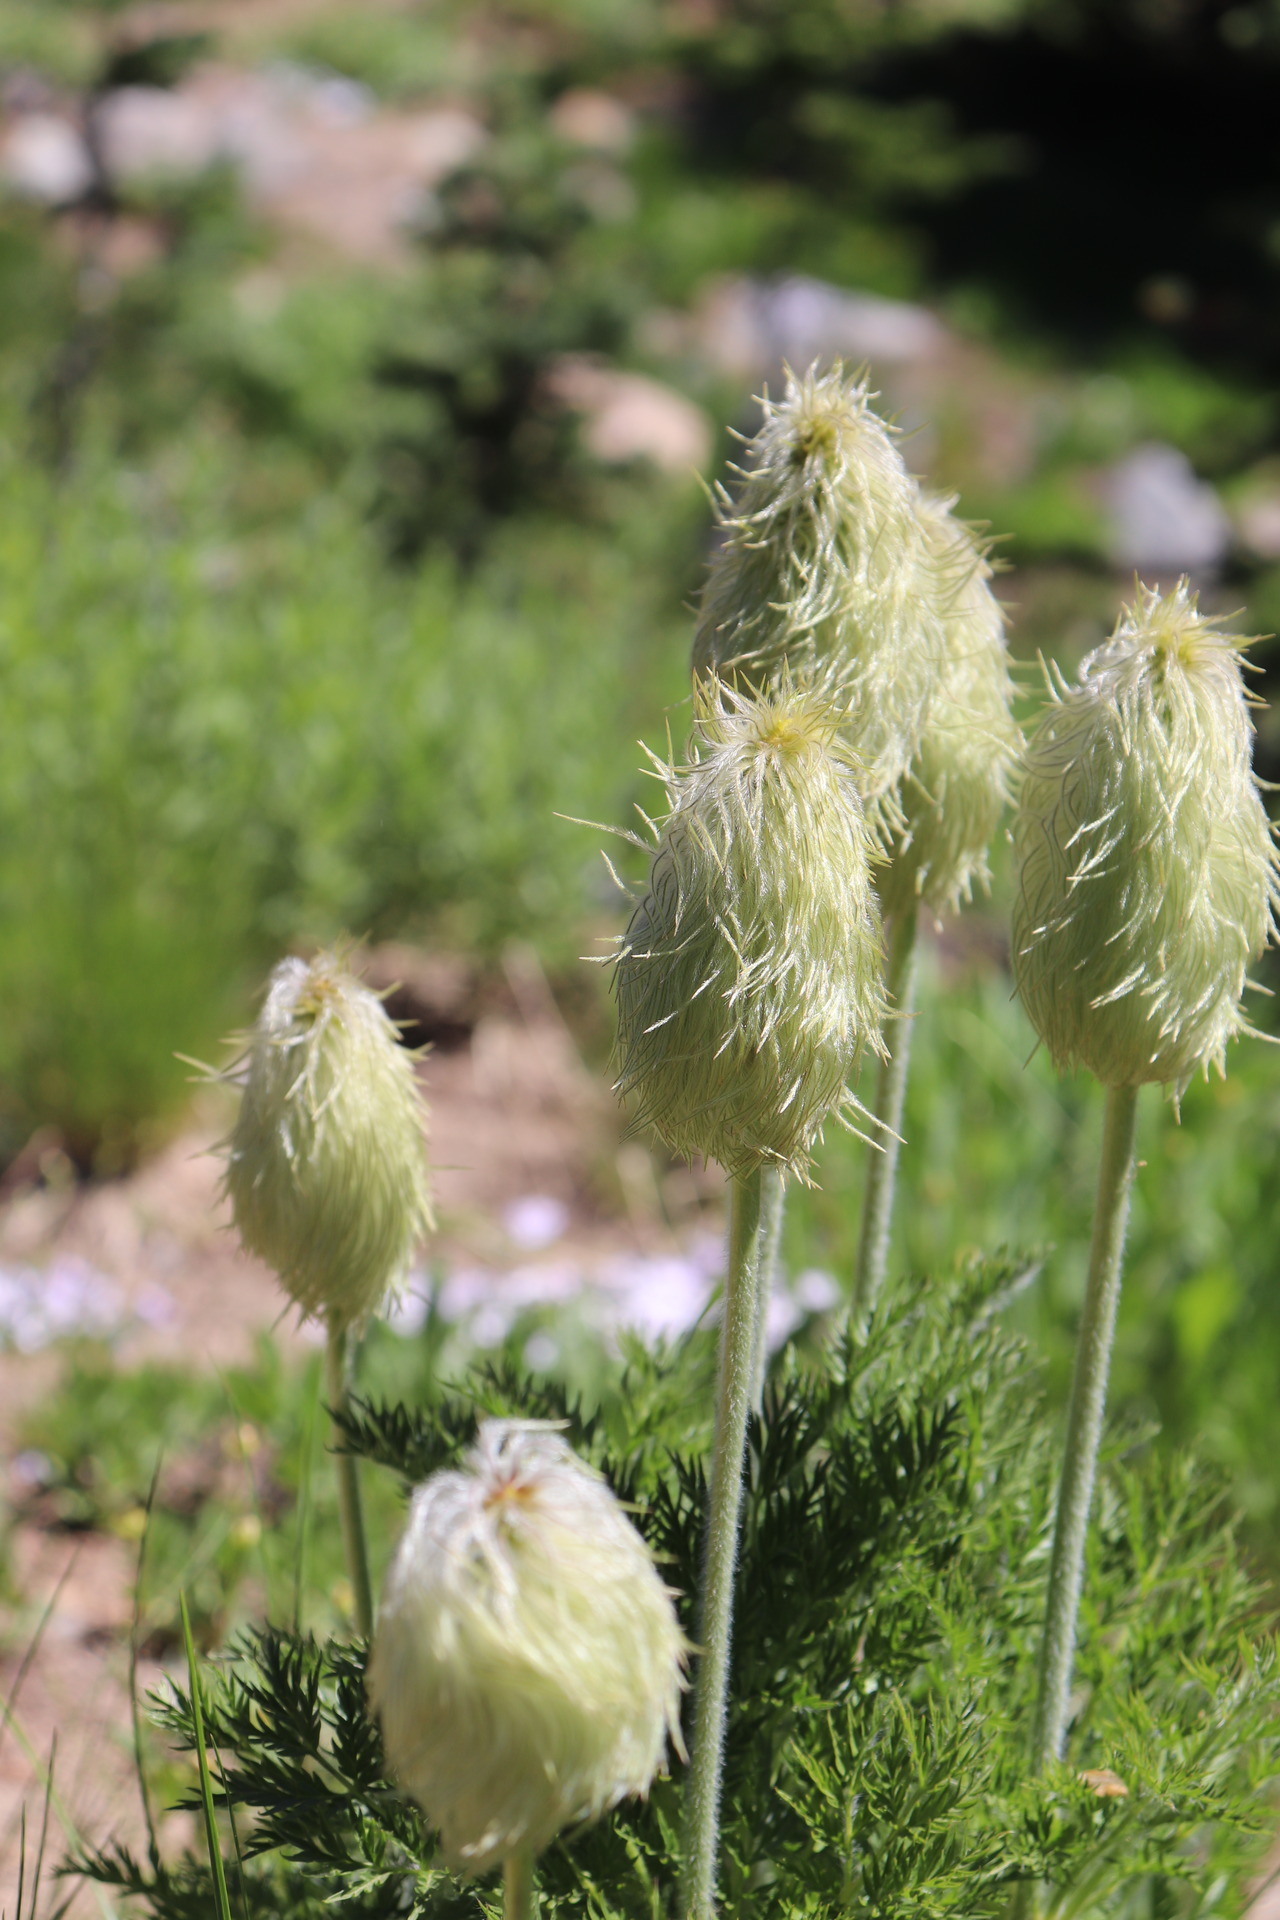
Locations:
{"points": [[45, 159], [535, 1220], [1164, 519], [817, 1291], [659, 1295]]}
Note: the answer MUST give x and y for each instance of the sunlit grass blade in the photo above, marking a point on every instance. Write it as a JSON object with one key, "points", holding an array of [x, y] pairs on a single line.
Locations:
{"points": [[202, 1761], [44, 1775], [242, 1884], [22, 1858], [135, 1637], [44, 1836]]}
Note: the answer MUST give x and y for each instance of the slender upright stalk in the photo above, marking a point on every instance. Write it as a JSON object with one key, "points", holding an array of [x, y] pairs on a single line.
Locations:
{"points": [[891, 1093], [1084, 1421], [338, 1383], [772, 1207], [733, 1401], [518, 1896]]}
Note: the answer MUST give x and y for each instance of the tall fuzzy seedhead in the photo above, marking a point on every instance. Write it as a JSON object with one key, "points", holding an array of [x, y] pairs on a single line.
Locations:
{"points": [[749, 979], [958, 784], [1148, 872], [326, 1166], [825, 563], [527, 1665]]}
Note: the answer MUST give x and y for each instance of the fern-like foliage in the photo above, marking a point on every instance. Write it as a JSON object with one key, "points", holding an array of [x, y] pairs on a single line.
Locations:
{"points": [[889, 1599]]}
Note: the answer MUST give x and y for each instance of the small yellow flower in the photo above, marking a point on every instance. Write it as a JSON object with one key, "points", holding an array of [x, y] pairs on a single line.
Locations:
{"points": [[245, 1532], [131, 1524]]}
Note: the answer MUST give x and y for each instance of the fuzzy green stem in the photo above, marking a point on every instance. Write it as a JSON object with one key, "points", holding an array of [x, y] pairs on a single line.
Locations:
{"points": [[891, 1094], [1084, 1422], [519, 1898], [772, 1207], [733, 1402], [338, 1382]]}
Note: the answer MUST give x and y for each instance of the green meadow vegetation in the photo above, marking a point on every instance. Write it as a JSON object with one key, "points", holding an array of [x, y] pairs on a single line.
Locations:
{"points": [[316, 618]]}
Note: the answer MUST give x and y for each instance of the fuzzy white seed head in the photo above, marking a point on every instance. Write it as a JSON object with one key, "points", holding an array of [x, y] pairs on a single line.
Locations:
{"points": [[958, 785], [1147, 867], [527, 1664], [825, 563], [749, 979], [326, 1167]]}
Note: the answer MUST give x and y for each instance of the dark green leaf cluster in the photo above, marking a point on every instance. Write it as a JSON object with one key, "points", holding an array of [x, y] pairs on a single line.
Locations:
{"points": [[526, 265], [657, 1405], [889, 1597]]}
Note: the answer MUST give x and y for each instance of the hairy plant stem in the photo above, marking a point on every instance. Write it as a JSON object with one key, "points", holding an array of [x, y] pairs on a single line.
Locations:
{"points": [[772, 1207], [518, 1896], [338, 1384], [1084, 1422], [742, 1309], [891, 1093]]}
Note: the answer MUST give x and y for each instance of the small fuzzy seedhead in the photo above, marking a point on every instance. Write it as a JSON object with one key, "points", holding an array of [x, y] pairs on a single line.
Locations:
{"points": [[1147, 868], [958, 784], [825, 565], [326, 1166], [527, 1665], [749, 979]]}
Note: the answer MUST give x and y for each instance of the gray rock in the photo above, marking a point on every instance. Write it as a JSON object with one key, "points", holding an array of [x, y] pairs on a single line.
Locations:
{"points": [[155, 133], [1164, 519], [312, 153], [751, 326]]}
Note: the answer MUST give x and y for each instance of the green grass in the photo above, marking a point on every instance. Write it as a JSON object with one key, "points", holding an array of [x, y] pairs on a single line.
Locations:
{"points": [[228, 1475], [238, 1464], [235, 729]]}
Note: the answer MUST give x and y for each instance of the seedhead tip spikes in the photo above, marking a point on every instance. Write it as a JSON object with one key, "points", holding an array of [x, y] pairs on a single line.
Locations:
{"points": [[326, 1165], [528, 1664], [958, 784], [1147, 866], [825, 565], [749, 980]]}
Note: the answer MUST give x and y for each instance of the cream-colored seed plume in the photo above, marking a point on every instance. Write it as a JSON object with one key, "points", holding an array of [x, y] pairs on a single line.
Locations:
{"points": [[1147, 867], [327, 1162], [527, 1665], [825, 563], [958, 784], [749, 979]]}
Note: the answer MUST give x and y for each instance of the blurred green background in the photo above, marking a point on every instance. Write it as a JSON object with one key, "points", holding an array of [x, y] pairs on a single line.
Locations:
{"points": [[359, 365]]}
